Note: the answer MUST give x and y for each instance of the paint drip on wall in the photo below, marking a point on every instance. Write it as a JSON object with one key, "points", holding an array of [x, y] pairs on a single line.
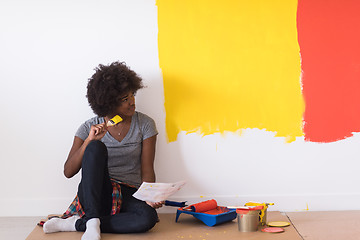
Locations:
{"points": [[230, 65]]}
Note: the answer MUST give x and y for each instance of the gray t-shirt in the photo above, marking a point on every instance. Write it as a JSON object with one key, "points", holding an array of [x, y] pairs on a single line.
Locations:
{"points": [[124, 158]]}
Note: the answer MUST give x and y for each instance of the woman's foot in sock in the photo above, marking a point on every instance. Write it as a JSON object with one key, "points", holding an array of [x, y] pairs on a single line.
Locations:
{"points": [[92, 230], [60, 225]]}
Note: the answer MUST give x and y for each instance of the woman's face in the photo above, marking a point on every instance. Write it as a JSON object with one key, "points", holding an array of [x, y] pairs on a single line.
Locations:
{"points": [[127, 105]]}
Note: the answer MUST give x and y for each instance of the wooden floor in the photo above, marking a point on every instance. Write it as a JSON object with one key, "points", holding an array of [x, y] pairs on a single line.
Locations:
{"points": [[17, 227], [304, 225]]}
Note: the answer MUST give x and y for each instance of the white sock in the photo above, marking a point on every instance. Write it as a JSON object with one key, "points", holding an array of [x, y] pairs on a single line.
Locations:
{"points": [[60, 225], [92, 230]]}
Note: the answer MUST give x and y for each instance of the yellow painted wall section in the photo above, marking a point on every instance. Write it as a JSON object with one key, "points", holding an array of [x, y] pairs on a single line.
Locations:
{"points": [[230, 65]]}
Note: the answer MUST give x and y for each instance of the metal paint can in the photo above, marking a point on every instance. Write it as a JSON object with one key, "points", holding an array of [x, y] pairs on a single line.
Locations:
{"points": [[263, 213], [248, 221], [264, 218]]}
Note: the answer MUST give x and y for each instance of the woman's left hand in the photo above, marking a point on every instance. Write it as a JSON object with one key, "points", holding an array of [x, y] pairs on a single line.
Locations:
{"points": [[155, 204]]}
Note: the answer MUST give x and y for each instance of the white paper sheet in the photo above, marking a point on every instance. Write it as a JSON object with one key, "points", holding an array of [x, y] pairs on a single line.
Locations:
{"points": [[157, 192]]}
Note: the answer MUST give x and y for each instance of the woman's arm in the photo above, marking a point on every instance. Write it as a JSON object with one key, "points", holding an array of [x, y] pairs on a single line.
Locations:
{"points": [[147, 159], [147, 165], [73, 163]]}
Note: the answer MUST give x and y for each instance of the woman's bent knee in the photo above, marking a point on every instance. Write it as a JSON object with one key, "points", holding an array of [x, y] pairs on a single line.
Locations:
{"points": [[148, 220], [95, 152], [97, 147]]}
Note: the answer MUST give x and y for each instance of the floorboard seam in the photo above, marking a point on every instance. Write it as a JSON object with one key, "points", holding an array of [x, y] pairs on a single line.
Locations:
{"points": [[294, 226]]}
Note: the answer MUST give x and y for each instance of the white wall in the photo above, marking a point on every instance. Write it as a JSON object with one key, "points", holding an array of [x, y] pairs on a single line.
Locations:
{"points": [[48, 50]]}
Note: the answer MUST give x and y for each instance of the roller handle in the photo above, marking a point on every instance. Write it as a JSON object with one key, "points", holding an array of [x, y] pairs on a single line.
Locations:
{"points": [[175, 204]]}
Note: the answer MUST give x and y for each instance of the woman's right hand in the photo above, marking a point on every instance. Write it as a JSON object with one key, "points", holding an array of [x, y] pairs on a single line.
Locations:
{"points": [[97, 132]]}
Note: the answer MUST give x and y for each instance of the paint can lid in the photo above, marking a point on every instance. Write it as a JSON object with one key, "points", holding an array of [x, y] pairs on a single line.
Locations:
{"points": [[272, 230], [278, 224]]}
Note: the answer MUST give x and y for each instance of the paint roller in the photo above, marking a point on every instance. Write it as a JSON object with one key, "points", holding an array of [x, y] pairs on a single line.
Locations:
{"points": [[197, 207], [203, 207]]}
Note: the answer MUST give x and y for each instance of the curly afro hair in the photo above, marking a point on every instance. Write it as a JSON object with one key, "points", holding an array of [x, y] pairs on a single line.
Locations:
{"points": [[108, 84]]}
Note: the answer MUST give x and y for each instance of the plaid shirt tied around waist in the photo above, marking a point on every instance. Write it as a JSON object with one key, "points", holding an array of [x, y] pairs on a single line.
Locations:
{"points": [[76, 208]]}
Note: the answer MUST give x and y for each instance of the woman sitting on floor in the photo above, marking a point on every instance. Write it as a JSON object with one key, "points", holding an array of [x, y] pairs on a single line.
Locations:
{"points": [[114, 160]]}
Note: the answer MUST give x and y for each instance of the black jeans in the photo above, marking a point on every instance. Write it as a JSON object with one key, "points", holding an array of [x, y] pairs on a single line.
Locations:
{"points": [[95, 195]]}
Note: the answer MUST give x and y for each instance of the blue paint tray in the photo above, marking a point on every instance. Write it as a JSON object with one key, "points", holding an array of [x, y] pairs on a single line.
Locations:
{"points": [[210, 219]]}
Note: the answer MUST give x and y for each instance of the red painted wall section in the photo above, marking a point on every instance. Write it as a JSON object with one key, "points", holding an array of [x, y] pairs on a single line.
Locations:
{"points": [[329, 39]]}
